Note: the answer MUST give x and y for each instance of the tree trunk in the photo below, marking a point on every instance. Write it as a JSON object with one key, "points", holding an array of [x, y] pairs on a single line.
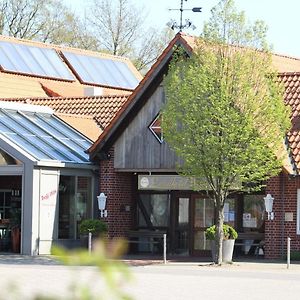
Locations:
{"points": [[219, 230]]}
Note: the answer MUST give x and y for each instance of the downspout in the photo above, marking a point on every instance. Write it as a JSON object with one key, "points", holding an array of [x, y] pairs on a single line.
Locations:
{"points": [[282, 195]]}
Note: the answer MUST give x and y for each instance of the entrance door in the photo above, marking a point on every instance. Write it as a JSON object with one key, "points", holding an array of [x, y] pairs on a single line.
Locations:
{"points": [[10, 220], [202, 217], [182, 226]]}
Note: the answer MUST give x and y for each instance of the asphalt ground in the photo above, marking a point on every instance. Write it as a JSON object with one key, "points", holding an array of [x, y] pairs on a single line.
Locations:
{"points": [[23, 277]]}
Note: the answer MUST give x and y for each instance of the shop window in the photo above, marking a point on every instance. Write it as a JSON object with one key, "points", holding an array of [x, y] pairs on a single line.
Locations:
{"points": [[253, 213], [75, 204], [229, 212], [154, 210]]}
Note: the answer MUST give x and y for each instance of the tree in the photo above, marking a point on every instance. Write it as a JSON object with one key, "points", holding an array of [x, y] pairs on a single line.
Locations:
{"points": [[120, 30], [44, 20], [225, 116]]}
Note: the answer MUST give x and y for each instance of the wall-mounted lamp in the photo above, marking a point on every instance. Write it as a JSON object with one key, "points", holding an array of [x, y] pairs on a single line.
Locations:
{"points": [[269, 206], [102, 204]]}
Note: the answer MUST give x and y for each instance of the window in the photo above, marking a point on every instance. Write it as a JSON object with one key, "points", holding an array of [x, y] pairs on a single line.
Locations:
{"points": [[154, 209], [229, 212], [253, 213], [155, 128], [298, 211], [75, 204]]}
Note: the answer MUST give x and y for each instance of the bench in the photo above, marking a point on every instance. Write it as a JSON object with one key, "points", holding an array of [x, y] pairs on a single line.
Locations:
{"points": [[256, 237], [150, 237]]}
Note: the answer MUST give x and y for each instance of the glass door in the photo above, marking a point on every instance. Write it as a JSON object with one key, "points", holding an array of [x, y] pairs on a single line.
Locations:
{"points": [[182, 226], [202, 217]]}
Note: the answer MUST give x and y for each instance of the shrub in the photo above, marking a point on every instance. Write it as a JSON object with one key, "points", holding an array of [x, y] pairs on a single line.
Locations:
{"points": [[95, 226], [229, 232]]}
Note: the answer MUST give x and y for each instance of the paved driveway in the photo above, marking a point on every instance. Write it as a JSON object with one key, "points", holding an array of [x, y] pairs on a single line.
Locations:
{"points": [[22, 277]]}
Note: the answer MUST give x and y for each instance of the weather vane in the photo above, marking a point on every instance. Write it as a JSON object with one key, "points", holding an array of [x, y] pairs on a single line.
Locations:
{"points": [[173, 24]]}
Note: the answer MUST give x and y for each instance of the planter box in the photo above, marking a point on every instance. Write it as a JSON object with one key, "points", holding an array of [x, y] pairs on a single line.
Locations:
{"points": [[227, 250]]}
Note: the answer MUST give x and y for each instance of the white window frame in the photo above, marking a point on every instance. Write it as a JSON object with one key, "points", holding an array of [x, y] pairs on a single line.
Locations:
{"points": [[298, 211]]}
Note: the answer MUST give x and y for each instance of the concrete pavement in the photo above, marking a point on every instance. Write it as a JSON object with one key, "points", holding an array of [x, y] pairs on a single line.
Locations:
{"points": [[25, 276]]}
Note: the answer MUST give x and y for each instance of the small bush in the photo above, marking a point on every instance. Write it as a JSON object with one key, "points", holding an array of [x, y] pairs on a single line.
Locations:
{"points": [[229, 232], [295, 255], [96, 227]]}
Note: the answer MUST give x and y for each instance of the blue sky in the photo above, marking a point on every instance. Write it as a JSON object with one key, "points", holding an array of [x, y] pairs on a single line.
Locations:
{"points": [[282, 17]]}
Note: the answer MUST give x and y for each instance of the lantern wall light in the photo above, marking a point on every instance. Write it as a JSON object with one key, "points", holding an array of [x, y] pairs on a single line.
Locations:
{"points": [[102, 204], [269, 206]]}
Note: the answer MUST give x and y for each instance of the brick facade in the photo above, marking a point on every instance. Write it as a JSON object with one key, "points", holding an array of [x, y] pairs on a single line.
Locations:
{"points": [[284, 190], [118, 187]]}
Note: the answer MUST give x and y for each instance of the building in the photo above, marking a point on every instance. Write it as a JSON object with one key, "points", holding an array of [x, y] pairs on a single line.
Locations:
{"points": [[47, 182], [144, 192], [285, 188]]}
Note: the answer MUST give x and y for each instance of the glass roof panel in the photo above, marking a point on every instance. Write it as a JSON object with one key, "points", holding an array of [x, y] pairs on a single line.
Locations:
{"points": [[54, 125], [33, 60], [72, 156], [46, 146], [43, 135], [103, 71], [31, 149], [32, 127]]}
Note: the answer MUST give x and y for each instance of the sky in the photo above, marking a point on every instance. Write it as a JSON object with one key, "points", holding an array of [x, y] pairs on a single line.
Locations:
{"points": [[281, 17]]}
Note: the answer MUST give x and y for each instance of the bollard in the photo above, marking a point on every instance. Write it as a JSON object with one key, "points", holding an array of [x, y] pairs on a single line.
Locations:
{"points": [[90, 243], [288, 252], [165, 248]]}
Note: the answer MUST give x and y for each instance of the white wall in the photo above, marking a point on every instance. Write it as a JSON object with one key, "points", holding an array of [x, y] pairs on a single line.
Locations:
{"points": [[48, 206]]}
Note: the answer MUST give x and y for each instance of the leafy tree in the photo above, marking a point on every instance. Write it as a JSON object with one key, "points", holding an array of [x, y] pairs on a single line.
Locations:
{"points": [[225, 116], [120, 30], [44, 20]]}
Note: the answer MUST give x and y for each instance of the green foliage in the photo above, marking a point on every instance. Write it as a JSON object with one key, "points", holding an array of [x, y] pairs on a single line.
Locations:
{"points": [[229, 233], [225, 116], [95, 226], [105, 257], [229, 26], [295, 255]]}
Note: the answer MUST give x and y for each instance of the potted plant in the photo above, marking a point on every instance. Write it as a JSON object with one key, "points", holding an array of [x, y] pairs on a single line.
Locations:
{"points": [[229, 237], [96, 227]]}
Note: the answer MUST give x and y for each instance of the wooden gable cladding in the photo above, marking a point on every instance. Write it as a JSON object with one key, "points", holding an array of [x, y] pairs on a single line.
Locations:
{"points": [[137, 148]]}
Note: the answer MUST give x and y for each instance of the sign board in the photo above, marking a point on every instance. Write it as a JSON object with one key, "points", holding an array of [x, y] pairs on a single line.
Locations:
{"points": [[165, 182], [48, 208], [173, 182]]}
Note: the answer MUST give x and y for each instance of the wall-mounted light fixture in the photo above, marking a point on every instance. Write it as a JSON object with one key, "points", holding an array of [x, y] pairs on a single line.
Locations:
{"points": [[102, 204], [269, 206]]}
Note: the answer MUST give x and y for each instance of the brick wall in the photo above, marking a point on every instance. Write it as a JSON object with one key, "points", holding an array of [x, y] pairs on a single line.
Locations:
{"points": [[118, 187], [284, 190]]}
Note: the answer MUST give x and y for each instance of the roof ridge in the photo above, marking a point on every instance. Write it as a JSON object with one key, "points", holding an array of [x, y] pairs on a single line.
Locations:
{"points": [[65, 98], [183, 35], [285, 55], [81, 116], [291, 73]]}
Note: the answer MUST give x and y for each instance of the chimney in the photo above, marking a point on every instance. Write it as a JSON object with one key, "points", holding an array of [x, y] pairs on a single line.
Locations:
{"points": [[93, 91]]}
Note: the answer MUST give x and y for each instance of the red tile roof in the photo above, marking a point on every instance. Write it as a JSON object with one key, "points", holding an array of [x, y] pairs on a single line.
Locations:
{"points": [[281, 63], [14, 85], [101, 109], [291, 83]]}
